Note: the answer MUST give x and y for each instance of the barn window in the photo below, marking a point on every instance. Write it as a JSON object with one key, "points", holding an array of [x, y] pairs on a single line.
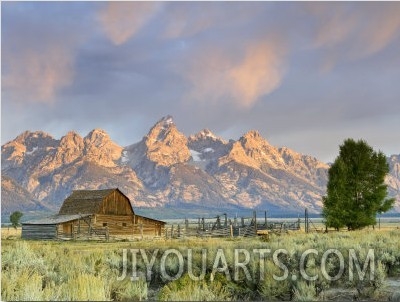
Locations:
{"points": [[104, 224], [124, 224]]}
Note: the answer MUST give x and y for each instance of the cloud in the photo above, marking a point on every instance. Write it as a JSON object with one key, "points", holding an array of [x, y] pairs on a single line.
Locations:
{"points": [[258, 74], [353, 31], [215, 76], [186, 19], [334, 23], [209, 64], [36, 76], [382, 28], [40, 43], [122, 20]]}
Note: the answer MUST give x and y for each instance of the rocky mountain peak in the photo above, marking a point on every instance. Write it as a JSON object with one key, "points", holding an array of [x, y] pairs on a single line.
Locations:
{"points": [[27, 144], [252, 140], [166, 168], [162, 129], [29, 136], [163, 125], [70, 148], [253, 137], [206, 147], [99, 147], [204, 135], [259, 149], [166, 121], [97, 137], [165, 144], [71, 138]]}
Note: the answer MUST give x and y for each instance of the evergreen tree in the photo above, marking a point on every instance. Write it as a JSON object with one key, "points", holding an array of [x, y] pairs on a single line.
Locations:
{"points": [[15, 217], [356, 189]]}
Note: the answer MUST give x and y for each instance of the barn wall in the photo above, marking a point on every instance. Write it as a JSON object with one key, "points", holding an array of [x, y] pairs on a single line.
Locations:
{"points": [[116, 204], [79, 227], [39, 231], [119, 225], [150, 226]]}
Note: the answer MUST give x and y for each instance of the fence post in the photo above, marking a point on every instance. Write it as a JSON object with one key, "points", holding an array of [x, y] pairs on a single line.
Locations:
{"points": [[172, 231], [218, 222], [255, 221], [141, 230], [231, 230], [306, 220], [179, 231]]}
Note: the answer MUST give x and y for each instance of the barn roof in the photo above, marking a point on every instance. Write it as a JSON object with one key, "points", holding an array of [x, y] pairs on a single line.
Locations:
{"points": [[85, 201], [55, 219]]}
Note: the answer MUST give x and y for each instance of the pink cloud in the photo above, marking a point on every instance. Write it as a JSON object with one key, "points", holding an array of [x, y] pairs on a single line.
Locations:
{"points": [[351, 32], [381, 29], [122, 20], [36, 76], [216, 77], [259, 73], [186, 19]]}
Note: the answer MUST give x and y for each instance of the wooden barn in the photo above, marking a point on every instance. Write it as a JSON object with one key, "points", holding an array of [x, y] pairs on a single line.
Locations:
{"points": [[94, 214]]}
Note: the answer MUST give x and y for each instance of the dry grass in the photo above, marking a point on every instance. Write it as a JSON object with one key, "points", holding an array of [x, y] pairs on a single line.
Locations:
{"points": [[82, 270], [10, 233]]}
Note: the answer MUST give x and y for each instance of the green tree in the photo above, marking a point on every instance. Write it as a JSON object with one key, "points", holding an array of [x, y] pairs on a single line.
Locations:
{"points": [[356, 189], [15, 218]]}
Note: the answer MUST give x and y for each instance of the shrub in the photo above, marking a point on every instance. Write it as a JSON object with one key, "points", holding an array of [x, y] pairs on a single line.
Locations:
{"points": [[84, 287], [271, 289], [305, 291], [185, 289], [129, 290]]}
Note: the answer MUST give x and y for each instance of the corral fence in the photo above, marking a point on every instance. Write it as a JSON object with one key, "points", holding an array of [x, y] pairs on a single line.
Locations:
{"points": [[222, 226]]}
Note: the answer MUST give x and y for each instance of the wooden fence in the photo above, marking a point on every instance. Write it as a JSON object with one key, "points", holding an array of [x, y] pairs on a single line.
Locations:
{"points": [[217, 227]]}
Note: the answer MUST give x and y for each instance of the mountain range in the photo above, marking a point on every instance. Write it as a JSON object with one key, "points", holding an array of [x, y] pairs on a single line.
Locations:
{"points": [[167, 170]]}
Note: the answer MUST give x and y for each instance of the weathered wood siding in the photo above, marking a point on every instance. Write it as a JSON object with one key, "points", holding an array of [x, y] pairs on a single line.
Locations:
{"points": [[39, 231], [150, 226], [117, 224], [91, 213], [74, 229], [128, 225], [116, 204]]}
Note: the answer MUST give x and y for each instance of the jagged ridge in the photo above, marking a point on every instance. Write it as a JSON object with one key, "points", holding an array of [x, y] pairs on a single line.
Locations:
{"points": [[168, 169]]}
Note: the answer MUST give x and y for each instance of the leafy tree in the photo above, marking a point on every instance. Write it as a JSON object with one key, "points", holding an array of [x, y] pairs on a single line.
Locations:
{"points": [[356, 190], [15, 218]]}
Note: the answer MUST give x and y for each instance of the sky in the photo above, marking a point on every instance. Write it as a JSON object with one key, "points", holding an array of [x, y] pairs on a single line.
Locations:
{"points": [[306, 75]]}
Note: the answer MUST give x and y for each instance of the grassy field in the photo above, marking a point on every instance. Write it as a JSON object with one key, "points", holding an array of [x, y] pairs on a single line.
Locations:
{"points": [[89, 270]]}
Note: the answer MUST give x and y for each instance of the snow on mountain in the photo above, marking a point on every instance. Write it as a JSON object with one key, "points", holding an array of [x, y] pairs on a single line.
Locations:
{"points": [[195, 155], [166, 168]]}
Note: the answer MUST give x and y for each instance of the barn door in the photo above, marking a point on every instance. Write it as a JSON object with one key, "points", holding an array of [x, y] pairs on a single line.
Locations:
{"points": [[67, 228]]}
